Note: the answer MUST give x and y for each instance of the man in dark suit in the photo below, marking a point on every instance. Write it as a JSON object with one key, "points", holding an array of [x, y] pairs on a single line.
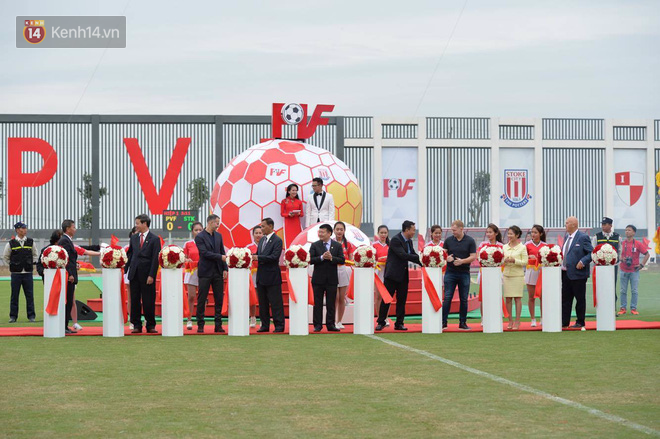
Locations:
{"points": [[211, 270], [143, 268], [66, 242], [575, 272], [269, 278], [401, 252], [325, 254]]}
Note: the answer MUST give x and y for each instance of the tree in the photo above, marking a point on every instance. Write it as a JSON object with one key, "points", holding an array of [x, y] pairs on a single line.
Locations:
{"points": [[85, 221], [199, 193], [480, 196]]}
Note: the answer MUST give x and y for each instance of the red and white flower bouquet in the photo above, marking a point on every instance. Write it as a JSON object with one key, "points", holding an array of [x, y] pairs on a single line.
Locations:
{"points": [[491, 255], [551, 256], [364, 257], [434, 256], [296, 257], [113, 256], [171, 256], [239, 257], [54, 256], [604, 254]]}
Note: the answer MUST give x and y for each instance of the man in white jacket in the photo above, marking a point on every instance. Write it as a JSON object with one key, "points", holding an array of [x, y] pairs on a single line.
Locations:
{"points": [[321, 205]]}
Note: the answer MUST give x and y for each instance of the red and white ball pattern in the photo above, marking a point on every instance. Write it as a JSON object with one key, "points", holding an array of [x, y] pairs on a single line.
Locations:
{"points": [[254, 183]]}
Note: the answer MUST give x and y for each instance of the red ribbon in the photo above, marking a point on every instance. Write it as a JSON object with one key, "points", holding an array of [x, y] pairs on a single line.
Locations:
{"points": [[310, 292], [292, 293], [253, 293], [186, 308], [122, 292], [54, 296], [382, 290], [593, 280], [538, 290], [431, 291], [505, 313], [225, 301], [350, 292]]}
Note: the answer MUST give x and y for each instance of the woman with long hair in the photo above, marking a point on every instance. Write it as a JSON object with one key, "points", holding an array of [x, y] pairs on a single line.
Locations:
{"points": [[190, 279], [343, 272], [382, 246], [493, 237], [291, 210], [532, 273]]}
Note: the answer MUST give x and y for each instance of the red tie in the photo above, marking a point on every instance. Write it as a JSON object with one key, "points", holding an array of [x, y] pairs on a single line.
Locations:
{"points": [[141, 239]]}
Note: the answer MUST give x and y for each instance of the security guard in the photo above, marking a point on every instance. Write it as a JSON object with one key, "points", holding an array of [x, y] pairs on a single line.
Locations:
{"points": [[607, 236], [20, 254]]}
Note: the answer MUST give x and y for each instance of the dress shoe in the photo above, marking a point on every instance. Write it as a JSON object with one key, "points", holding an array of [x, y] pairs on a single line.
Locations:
{"points": [[279, 330], [444, 325], [70, 331], [318, 328], [333, 329], [379, 327], [136, 331], [263, 329], [400, 328], [576, 326], [152, 331], [32, 320], [219, 330], [200, 329], [463, 327], [12, 320]]}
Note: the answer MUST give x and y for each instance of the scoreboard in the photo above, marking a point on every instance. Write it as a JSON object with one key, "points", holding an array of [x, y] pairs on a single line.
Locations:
{"points": [[179, 220]]}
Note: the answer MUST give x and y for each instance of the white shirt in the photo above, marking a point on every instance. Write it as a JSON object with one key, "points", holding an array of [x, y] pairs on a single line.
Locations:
{"points": [[570, 239]]}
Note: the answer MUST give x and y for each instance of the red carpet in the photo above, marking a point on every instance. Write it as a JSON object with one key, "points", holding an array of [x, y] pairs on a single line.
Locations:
{"points": [[17, 331]]}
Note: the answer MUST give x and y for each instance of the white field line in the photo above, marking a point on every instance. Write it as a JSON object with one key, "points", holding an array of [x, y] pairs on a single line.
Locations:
{"points": [[595, 412]]}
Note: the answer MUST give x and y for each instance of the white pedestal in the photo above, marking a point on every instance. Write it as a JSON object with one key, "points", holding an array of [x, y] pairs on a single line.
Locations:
{"points": [[298, 311], [113, 316], [606, 308], [432, 319], [491, 294], [363, 308], [54, 325], [551, 299], [239, 302], [171, 281]]}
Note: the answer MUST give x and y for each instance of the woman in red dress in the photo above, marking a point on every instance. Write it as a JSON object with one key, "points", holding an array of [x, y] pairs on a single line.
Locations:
{"points": [[190, 279], [382, 246], [292, 211], [343, 272], [257, 234], [533, 268]]}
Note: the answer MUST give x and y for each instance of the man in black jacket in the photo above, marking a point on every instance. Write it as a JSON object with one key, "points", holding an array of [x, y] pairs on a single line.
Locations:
{"points": [[66, 242], [269, 278], [401, 252], [143, 268], [20, 254], [212, 270], [325, 254]]}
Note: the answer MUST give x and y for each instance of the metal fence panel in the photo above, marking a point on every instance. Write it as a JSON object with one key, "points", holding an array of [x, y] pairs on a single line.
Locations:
{"points": [[360, 161], [630, 133], [451, 173], [457, 128], [517, 132], [573, 129], [358, 127], [44, 207], [573, 185], [125, 198], [399, 131]]}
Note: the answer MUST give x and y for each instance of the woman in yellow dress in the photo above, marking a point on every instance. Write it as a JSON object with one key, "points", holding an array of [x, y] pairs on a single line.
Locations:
{"points": [[515, 260]]}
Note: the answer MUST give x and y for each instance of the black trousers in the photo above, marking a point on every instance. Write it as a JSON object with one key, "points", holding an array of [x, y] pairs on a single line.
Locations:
{"points": [[217, 283], [573, 289], [270, 300], [70, 290], [24, 280], [143, 300], [330, 293], [400, 289]]}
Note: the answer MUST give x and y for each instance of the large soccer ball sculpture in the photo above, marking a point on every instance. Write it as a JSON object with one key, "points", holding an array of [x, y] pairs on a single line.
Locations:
{"points": [[254, 183]]}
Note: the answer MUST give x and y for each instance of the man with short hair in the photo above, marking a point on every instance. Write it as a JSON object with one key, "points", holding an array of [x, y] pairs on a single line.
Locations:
{"points": [[575, 272], [325, 255], [142, 264], [20, 254], [608, 236], [269, 278], [66, 242], [212, 271], [631, 249], [400, 252], [461, 250], [321, 207]]}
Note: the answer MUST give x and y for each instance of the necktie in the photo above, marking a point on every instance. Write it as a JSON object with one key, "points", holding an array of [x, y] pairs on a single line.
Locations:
{"points": [[327, 246], [410, 249], [141, 239]]}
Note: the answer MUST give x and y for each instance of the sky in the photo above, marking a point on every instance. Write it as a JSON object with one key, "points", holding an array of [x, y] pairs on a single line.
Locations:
{"points": [[369, 58]]}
